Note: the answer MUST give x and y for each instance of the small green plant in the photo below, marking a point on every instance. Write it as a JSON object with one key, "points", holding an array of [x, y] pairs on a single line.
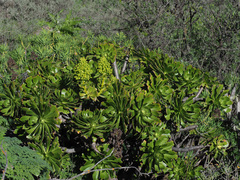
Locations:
{"points": [[184, 169], [11, 100], [39, 121], [66, 26], [52, 153], [157, 151], [109, 163], [146, 111], [92, 123]]}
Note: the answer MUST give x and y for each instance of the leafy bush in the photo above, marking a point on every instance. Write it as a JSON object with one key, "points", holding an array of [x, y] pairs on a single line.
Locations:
{"points": [[117, 107]]}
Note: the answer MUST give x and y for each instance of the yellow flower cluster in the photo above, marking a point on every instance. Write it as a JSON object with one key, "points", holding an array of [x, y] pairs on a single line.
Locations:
{"points": [[83, 71], [104, 67]]}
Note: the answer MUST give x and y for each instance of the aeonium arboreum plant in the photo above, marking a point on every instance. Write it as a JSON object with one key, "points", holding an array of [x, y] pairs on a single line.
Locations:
{"points": [[11, 100], [34, 88], [216, 98], [52, 153], [92, 123], [146, 110], [118, 106], [66, 100], [157, 149], [39, 120]]}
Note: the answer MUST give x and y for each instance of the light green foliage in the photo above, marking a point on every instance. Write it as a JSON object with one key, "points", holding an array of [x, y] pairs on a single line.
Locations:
{"points": [[34, 87], [95, 75], [218, 99], [104, 67], [134, 81], [107, 50], [4, 50], [174, 82], [219, 145], [44, 67], [83, 71], [39, 118], [66, 26], [175, 88], [5, 75], [23, 163], [2, 132]]}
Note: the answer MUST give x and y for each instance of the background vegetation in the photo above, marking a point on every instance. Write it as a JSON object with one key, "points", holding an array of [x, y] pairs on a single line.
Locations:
{"points": [[202, 34]]}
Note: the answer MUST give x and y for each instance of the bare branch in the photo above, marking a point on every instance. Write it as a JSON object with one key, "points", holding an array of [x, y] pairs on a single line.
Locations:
{"points": [[232, 97], [69, 151], [116, 70], [196, 97], [187, 149], [198, 94], [238, 108], [189, 128], [125, 64], [180, 144], [91, 170], [105, 169]]}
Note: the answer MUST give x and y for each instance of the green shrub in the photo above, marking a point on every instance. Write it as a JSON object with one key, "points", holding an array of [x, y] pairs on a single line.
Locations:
{"points": [[156, 108]]}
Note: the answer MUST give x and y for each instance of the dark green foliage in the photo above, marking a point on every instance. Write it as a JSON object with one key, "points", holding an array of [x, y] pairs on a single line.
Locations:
{"points": [[4, 122], [92, 158], [65, 100], [157, 151], [202, 34], [11, 100], [118, 106], [92, 124], [52, 153], [23, 163]]}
